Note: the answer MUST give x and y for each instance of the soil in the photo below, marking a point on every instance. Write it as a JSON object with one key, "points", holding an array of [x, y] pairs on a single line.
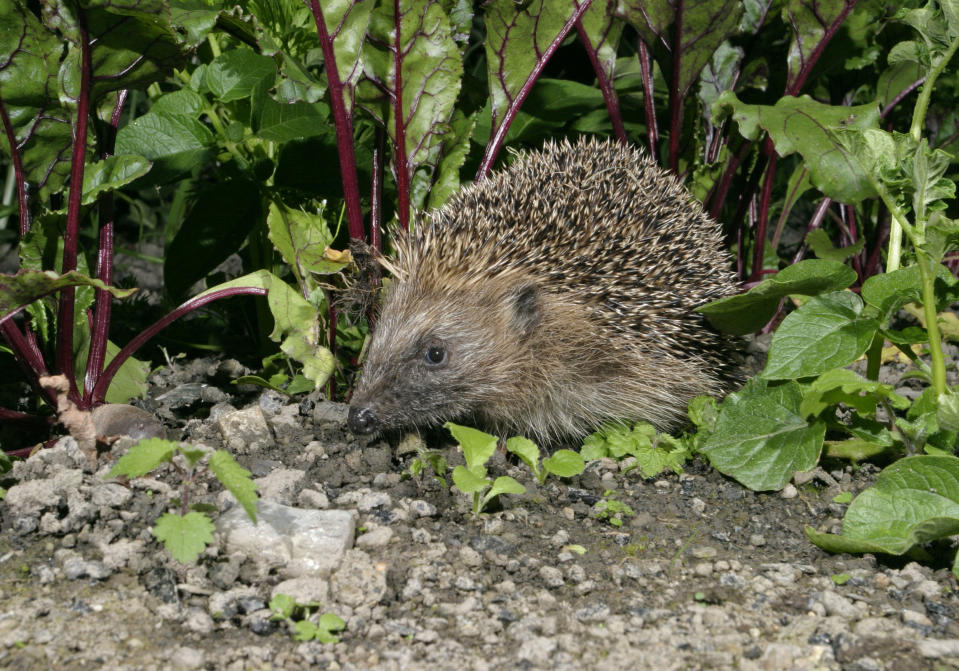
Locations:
{"points": [[704, 574]]}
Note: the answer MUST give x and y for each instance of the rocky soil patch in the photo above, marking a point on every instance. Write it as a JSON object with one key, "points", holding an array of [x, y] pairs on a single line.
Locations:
{"points": [[705, 574]]}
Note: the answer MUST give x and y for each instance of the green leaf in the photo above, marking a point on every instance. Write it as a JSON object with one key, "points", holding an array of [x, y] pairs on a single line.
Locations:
{"points": [[184, 537], [515, 36], [704, 26], [469, 482], [29, 64], [914, 500], [477, 446], [818, 240], [235, 73], [332, 622], [751, 311], [564, 463], [841, 145], [27, 286], [282, 606], [761, 438], [143, 458], [825, 332], [235, 478], [525, 449], [888, 292], [302, 239], [947, 413], [112, 173], [504, 485], [346, 22], [703, 412], [842, 385], [304, 630], [176, 144]]}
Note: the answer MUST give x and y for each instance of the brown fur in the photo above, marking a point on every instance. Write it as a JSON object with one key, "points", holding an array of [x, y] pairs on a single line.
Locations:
{"points": [[561, 291]]}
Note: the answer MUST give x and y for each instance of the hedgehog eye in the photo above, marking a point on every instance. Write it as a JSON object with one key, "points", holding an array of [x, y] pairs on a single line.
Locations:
{"points": [[435, 355]]}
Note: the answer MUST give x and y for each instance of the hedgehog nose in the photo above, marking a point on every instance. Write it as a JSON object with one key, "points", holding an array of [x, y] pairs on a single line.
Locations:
{"points": [[362, 420]]}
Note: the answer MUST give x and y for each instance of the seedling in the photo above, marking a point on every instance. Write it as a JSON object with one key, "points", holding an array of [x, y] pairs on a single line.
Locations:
{"points": [[187, 533], [654, 453], [478, 447], [297, 616], [428, 460], [563, 463], [612, 510]]}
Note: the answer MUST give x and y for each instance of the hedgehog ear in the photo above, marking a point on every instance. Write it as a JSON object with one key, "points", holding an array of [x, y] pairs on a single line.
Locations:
{"points": [[525, 302]]}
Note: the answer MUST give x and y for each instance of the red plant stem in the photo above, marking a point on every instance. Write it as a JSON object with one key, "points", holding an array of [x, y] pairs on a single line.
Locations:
{"points": [[902, 94], [882, 234], [499, 134], [343, 123], [675, 97], [23, 209], [65, 317], [605, 85], [759, 237], [400, 159], [803, 74], [850, 214], [649, 102], [100, 330], [28, 357], [814, 222], [787, 204], [103, 383], [719, 197]]}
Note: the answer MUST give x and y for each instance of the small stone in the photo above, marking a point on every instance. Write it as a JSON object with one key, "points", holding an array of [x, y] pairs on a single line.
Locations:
{"points": [[704, 552], [281, 485], [698, 505], [915, 619], [304, 590], [704, 569], [358, 580], [245, 431], [552, 576], [836, 604], [757, 540], [470, 557], [789, 492], [376, 538], [198, 621], [560, 538], [111, 495], [187, 658], [420, 508], [935, 648], [311, 498]]}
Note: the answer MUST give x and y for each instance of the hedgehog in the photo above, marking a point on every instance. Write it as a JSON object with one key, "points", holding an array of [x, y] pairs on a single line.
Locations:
{"points": [[549, 299]]}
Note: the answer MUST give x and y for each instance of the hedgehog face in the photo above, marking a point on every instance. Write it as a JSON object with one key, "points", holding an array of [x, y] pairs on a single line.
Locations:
{"points": [[437, 356]]}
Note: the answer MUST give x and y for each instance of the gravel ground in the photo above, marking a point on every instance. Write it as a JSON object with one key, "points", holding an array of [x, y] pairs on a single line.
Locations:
{"points": [[704, 575]]}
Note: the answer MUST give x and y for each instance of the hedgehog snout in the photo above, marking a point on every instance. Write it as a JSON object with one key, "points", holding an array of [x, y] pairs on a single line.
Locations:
{"points": [[362, 420]]}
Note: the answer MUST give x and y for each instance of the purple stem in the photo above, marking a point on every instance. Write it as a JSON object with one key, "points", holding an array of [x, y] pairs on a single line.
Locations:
{"points": [[759, 238], [648, 102], [605, 85], [104, 301], [902, 94], [850, 215], [103, 383], [882, 234], [803, 74], [787, 205], [23, 209], [399, 138], [719, 197], [499, 135], [675, 98], [343, 123], [71, 235]]}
